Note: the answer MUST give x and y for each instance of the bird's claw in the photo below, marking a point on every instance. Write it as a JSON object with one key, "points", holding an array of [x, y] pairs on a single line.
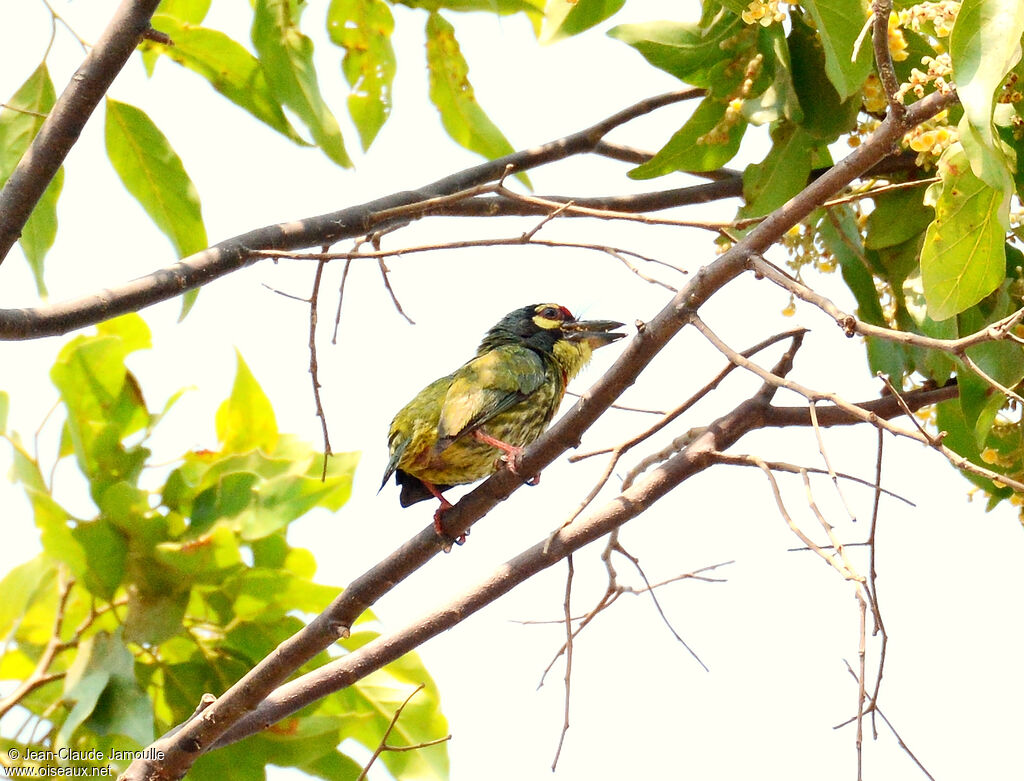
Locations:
{"points": [[512, 462], [446, 539]]}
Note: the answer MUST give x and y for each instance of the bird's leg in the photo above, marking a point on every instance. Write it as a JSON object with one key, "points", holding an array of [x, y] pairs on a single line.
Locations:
{"points": [[512, 456], [444, 507]]}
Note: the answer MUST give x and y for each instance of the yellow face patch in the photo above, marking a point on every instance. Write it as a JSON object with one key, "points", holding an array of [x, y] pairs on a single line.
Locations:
{"points": [[551, 316]]}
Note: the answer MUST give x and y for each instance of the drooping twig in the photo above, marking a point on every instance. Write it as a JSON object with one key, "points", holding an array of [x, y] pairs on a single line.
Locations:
{"points": [[567, 609], [384, 746], [314, 298]]}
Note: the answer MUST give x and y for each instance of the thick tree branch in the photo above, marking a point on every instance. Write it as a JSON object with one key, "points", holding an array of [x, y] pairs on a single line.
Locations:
{"points": [[344, 671], [390, 211], [240, 251], [60, 130], [210, 727]]}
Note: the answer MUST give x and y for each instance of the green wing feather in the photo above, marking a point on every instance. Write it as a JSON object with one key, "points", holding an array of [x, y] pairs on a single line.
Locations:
{"points": [[487, 386]]}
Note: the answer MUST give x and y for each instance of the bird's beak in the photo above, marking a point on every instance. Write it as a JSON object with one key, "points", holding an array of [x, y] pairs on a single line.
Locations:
{"points": [[596, 333]]}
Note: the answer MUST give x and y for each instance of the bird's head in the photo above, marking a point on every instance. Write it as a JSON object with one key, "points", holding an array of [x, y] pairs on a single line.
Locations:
{"points": [[551, 328]]}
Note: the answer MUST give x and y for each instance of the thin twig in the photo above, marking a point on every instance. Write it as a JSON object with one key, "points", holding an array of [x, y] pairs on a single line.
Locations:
{"points": [[781, 466], [383, 745], [568, 660], [341, 297], [654, 598], [313, 369]]}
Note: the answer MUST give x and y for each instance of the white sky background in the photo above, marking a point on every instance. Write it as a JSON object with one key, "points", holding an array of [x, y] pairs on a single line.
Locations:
{"points": [[774, 635]]}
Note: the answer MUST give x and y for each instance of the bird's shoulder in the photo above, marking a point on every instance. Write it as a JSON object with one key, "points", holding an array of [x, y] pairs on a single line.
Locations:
{"points": [[512, 368], [487, 385]]}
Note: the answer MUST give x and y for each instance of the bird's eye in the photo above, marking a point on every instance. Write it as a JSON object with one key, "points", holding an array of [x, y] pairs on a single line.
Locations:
{"points": [[550, 313]]}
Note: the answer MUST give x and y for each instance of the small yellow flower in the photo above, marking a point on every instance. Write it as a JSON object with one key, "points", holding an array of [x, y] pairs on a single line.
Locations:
{"points": [[763, 12], [897, 42]]}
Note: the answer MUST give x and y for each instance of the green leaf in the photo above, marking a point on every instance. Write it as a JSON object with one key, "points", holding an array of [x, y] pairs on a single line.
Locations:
{"points": [[105, 552], [963, 259], [839, 24], [156, 615], [21, 587], [20, 121], [839, 231], [898, 216], [781, 175], [691, 148], [103, 400], [363, 29], [826, 114], [152, 172], [101, 684], [984, 47], [206, 557], [227, 66], [56, 535], [333, 766], [246, 421], [40, 230], [452, 94], [563, 18], [191, 11], [283, 499], [24, 468], [779, 100], [287, 58], [685, 50]]}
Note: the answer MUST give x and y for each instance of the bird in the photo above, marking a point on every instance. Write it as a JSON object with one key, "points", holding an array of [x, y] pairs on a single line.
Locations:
{"points": [[464, 426]]}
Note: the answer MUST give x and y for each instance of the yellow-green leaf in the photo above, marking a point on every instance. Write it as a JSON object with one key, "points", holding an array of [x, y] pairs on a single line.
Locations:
{"points": [[363, 29], [19, 123], [963, 259], [227, 65], [839, 24], [704, 143], [453, 95], [287, 59], [563, 18], [152, 172], [984, 47], [245, 421]]}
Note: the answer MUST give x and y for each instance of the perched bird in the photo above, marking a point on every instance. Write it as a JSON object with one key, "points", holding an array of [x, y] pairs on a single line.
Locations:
{"points": [[461, 427]]}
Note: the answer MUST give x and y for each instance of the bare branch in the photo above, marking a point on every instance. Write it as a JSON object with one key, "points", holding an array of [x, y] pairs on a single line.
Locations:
{"points": [[384, 746], [236, 253]]}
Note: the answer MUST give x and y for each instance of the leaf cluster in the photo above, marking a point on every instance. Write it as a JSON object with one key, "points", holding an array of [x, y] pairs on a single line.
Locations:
{"points": [[128, 617]]}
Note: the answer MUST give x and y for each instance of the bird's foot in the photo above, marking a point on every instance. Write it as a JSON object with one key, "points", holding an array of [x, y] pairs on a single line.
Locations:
{"points": [[442, 508], [511, 455], [512, 463]]}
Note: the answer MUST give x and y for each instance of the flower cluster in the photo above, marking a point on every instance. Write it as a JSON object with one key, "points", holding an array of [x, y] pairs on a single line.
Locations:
{"points": [[719, 134], [897, 41], [931, 138], [873, 96], [938, 16], [763, 12], [939, 70]]}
